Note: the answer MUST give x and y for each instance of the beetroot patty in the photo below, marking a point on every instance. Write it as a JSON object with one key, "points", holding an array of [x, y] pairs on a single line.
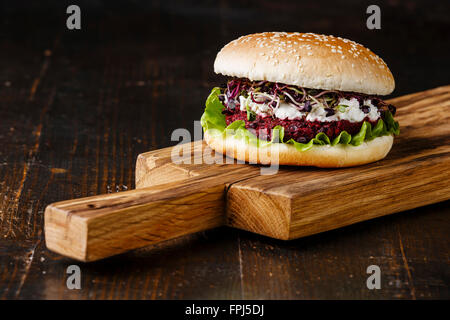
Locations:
{"points": [[301, 130]]}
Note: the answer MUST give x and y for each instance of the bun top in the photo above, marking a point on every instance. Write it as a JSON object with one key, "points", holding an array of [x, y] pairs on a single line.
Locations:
{"points": [[307, 60]]}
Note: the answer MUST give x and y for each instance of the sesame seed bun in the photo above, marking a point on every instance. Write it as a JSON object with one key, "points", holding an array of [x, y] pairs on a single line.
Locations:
{"points": [[319, 156], [307, 60]]}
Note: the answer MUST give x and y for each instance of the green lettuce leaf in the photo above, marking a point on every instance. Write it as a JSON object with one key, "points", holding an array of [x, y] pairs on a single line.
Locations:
{"points": [[343, 138], [301, 146], [277, 134], [214, 122], [379, 129], [392, 125], [359, 138], [213, 118]]}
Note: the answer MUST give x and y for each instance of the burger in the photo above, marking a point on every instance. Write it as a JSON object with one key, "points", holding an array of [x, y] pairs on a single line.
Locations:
{"points": [[300, 99]]}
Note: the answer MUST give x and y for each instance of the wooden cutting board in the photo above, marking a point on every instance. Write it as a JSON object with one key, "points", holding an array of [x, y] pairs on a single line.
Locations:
{"points": [[177, 198]]}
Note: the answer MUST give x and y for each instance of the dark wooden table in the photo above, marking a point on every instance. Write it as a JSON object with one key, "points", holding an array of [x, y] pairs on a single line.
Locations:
{"points": [[77, 107]]}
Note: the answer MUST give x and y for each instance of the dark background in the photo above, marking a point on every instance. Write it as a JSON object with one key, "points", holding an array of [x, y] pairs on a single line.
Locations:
{"points": [[77, 107]]}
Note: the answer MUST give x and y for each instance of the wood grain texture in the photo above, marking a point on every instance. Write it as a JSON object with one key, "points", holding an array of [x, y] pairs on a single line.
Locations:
{"points": [[97, 227], [93, 228], [320, 266]]}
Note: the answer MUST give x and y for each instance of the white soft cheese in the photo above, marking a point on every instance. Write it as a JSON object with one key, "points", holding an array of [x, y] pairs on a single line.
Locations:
{"points": [[374, 114], [261, 109], [243, 103], [286, 111], [318, 113], [352, 112]]}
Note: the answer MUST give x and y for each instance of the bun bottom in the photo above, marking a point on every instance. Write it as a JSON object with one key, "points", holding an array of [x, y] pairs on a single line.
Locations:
{"points": [[318, 156]]}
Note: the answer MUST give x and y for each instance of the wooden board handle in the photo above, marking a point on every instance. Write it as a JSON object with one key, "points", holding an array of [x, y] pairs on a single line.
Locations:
{"points": [[97, 227]]}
